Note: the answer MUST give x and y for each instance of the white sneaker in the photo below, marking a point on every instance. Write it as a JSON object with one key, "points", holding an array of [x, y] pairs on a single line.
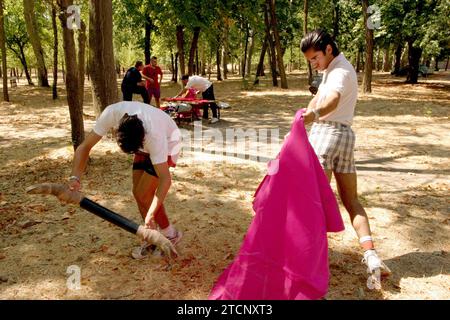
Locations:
{"points": [[214, 120], [176, 238], [143, 250]]}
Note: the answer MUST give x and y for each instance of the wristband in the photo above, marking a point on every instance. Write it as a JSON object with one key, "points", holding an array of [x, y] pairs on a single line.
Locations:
{"points": [[316, 115], [74, 178]]}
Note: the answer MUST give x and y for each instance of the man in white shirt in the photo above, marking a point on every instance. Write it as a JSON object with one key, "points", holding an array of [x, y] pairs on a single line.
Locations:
{"points": [[154, 139], [332, 137], [206, 88]]}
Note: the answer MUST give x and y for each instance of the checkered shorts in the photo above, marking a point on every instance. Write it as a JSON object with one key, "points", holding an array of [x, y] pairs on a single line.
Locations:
{"points": [[333, 143]]}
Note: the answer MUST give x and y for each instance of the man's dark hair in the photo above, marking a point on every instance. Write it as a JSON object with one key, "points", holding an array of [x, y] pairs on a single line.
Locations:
{"points": [[138, 64], [155, 58], [185, 77], [130, 135], [318, 40]]}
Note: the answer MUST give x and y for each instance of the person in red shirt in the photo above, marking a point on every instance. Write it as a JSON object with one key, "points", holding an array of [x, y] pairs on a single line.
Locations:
{"points": [[152, 84]]}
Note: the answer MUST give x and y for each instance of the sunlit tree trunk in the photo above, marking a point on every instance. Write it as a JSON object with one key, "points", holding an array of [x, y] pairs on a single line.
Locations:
{"points": [[72, 77], [55, 54], [3, 52], [32, 29], [180, 46], [279, 53], [367, 79], [101, 55]]}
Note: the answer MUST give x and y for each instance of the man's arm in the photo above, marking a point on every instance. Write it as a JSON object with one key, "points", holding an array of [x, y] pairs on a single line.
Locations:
{"points": [[324, 108], [164, 182], [312, 104], [81, 157]]}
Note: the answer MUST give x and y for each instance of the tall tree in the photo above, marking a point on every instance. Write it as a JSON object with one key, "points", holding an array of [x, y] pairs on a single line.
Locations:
{"points": [[367, 79], [3, 52], [72, 76], [279, 54], [147, 38], [305, 31], [101, 55], [260, 68], [180, 46], [55, 53], [33, 32], [193, 49], [272, 58]]}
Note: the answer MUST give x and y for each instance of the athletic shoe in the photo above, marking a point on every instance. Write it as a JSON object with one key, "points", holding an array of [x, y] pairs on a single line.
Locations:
{"points": [[176, 238], [214, 120], [143, 251]]}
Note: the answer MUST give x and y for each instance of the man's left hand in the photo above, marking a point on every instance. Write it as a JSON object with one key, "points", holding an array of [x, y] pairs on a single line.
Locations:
{"points": [[308, 117]]}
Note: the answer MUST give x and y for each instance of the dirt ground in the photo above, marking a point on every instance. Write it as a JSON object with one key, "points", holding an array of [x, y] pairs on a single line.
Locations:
{"points": [[402, 154]]}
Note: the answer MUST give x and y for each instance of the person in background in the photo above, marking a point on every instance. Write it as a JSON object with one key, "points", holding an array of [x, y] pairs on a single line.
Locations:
{"points": [[206, 88], [132, 83], [154, 76]]}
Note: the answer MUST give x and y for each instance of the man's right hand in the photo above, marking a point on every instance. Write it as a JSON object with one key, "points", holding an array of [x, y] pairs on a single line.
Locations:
{"points": [[74, 185]]}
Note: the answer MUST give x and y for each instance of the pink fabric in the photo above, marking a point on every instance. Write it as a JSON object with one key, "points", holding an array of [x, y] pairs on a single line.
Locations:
{"points": [[285, 251]]}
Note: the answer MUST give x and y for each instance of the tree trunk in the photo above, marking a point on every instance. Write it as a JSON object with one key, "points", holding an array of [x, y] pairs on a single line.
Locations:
{"points": [[32, 30], [55, 54], [260, 68], [63, 70], [436, 64], [226, 49], [197, 66], [3, 52], [81, 59], [72, 81], [172, 69], [203, 58], [367, 79], [387, 59], [446, 65], [219, 74], [180, 46], [272, 59], [279, 54], [250, 53], [192, 50], [147, 37], [305, 31], [398, 58], [413, 59], [176, 68], [244, 59], [336, 17], [101, 55]]}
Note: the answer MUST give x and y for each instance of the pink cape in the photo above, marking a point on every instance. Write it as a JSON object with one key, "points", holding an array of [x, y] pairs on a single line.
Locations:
{"points": [[284, 255]]}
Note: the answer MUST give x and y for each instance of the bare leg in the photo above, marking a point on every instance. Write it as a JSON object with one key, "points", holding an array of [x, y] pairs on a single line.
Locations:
{"points": [[144, 188], [347, 188]]}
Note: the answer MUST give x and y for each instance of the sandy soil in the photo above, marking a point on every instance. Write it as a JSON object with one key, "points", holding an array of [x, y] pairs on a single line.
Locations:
{"points": [[402, 156]]}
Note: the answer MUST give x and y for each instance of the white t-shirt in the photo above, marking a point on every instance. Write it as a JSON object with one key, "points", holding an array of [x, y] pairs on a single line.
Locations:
{"points": [[162, 136], [340, 76], [198, 83]]}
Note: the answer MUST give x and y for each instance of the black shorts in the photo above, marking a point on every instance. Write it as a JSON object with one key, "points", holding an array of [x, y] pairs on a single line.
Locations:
{"points": [[142, 162]]}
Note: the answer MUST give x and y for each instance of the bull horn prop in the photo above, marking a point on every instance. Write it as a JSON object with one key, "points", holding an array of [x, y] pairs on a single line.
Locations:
{"points": [[64, 194]]}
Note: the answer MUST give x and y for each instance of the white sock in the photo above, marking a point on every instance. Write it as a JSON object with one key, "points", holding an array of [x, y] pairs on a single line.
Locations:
{"points": [[169, 232]]}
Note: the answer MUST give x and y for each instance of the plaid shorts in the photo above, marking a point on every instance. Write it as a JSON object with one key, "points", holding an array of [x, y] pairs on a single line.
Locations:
{"points": [[333, 143]]}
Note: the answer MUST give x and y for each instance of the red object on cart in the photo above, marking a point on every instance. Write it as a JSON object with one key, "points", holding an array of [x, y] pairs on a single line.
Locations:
{"points": [[188, 109]]}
